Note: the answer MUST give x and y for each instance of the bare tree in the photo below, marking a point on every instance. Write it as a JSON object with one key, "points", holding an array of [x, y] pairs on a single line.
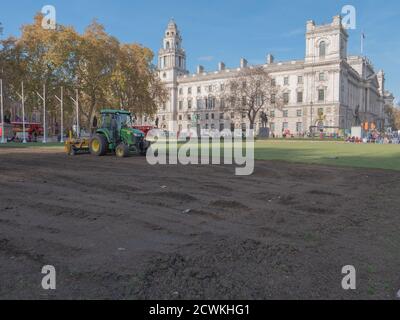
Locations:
{"points": [[251, 91]]}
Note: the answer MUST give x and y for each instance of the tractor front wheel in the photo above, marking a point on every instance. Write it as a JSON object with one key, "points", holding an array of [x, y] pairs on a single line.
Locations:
{"points": [[122, 150], [98, 145]]}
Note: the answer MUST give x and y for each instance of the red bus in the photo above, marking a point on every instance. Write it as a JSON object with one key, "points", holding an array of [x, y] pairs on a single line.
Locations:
{"points": [[32, 129]]}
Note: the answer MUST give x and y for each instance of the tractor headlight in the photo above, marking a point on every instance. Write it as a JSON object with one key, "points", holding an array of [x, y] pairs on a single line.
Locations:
{"points": [[138, 135]]}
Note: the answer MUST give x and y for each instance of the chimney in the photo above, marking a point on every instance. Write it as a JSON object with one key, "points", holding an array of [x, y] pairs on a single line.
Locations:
{"points": [[221, 66], [200, 69], [270, 58], [243, 63]]}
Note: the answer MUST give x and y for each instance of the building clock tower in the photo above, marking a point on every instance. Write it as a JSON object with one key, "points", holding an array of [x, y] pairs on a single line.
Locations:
{"points": [[171, 65]]}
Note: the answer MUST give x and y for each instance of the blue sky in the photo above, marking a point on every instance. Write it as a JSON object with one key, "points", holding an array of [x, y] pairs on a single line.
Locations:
{"points": [[226, 30]]}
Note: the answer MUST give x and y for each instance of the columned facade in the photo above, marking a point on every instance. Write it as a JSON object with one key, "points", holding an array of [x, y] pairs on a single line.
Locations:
{"points": [[327, 91]]}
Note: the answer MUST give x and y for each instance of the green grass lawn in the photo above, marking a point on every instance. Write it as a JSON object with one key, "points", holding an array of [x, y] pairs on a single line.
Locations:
{"points": [[331, 153], [30, 145], [312, 152]]}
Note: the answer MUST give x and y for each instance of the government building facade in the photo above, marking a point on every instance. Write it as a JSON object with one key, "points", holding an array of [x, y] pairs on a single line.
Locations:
{"points": [[328, 91]]}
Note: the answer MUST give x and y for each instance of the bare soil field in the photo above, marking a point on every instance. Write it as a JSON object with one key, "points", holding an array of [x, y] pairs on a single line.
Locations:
{"points": [[122, 229]]}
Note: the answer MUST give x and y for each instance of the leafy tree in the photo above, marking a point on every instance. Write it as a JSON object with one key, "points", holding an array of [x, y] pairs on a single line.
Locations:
{"points": [[135, 85], [393, 113], [106, 72], [252, 90]]}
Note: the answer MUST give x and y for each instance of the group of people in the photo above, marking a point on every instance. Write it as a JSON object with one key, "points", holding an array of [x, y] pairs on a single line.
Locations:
{"points": [[377, 137]]}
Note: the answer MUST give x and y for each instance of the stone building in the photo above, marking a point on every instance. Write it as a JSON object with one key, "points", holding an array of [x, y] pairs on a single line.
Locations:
{"points": [[328, 91]]}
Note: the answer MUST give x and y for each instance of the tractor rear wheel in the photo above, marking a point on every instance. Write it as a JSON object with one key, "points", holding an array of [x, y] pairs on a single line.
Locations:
{"points": [[122, 150], [98, 145]]}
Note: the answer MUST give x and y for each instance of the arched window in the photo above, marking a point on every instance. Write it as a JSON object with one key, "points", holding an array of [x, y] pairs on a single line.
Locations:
{"points": [[322, 49], [167, 45]]}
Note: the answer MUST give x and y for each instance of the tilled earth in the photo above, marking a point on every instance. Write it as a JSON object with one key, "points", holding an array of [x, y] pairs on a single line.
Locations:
{"points": [[122, 229]]}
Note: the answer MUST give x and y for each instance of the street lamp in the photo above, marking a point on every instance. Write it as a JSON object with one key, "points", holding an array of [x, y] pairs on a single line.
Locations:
{"points": [[311, 115], [23, 98], [2, 112]]}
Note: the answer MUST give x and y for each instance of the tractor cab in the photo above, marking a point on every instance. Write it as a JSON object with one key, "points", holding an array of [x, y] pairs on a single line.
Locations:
{"points": [[116, 134], [118, 120]]}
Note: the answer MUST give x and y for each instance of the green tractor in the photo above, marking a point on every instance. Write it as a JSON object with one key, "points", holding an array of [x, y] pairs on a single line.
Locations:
{"points": [[117, 135]]}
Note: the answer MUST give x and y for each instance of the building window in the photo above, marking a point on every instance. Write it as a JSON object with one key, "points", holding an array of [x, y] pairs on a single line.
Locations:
{"points": [[322, 76], [206, 127], [321, 95], [273, 82], [285, 113], [299, 127], [199, 103], [180, 117], [221, 116], [299, 97], [210, 89], [198, 90], [190, 104], [210, 103], [189, 117], [300, 79], [286, 81], [299, 112], [207, 116], [180, 105], [322, 49], [273, 98], [212, 116], [180, 91], [221, 127], [190, 90], [272, 114], [222, 103], [286, 98], [232, 115], [222, 87], [285, 126]]}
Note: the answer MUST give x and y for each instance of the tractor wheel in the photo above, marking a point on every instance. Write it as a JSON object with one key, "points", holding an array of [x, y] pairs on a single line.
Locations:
{"points": [[98, 145], [122, 150]]}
